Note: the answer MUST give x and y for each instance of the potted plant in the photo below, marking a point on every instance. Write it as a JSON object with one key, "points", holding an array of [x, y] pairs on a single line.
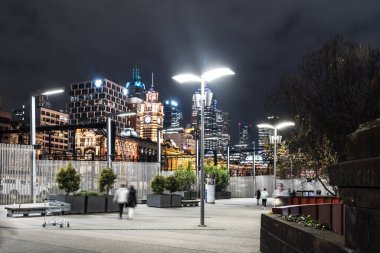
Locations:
{"points": [[221, 181], [158, 198], [186, 178], [172, 185], [106, 182], [68, 180]]}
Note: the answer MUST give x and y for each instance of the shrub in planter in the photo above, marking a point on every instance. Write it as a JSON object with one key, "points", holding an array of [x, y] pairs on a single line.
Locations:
{"points": [[158, 184], [158, 199], [68, 179], [186, 178], [221, 176], [107, 180]]}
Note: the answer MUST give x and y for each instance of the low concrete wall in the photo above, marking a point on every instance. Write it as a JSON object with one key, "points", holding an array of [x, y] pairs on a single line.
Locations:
{"points": [[278, 235]]}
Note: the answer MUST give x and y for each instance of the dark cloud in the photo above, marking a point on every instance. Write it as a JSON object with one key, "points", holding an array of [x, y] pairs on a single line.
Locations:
{"points": [[54, 43]]}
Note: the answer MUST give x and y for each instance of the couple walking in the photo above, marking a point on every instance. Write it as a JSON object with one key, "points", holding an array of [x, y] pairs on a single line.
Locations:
{"points": [[126, 198], [264, 196]]}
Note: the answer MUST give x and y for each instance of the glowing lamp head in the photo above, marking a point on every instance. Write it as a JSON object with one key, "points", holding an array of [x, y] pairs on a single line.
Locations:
{"points": [[184, 78], [216, 73], [98, 83]]}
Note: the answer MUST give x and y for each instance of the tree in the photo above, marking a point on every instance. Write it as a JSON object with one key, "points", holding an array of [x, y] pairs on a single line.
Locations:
{"points": [[106, 180], [68, 179], [335, 89]]}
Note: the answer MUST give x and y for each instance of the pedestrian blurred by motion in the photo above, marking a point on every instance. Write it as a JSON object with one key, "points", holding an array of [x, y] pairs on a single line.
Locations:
{"points": [[132, 201], [258, 195], [264, 197], [121, 198]]}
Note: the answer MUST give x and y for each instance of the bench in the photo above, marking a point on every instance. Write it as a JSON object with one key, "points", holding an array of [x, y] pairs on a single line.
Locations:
{"points": [[25, 210], [190, 202]]}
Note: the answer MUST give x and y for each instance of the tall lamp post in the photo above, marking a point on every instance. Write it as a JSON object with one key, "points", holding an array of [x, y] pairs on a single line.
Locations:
{"points": [[109, 135], [33, 136], [203, 79], [254, 168], [275, 128]]}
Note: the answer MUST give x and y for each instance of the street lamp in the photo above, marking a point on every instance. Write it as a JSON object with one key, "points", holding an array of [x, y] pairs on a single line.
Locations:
{"points": [[33, 135], [205, 77], [275, 128], [109, 136]]}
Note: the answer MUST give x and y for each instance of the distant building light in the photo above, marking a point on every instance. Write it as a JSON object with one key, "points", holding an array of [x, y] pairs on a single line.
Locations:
{"points": [[167, 102], [98, 83], [125, 91], [174, 103]]}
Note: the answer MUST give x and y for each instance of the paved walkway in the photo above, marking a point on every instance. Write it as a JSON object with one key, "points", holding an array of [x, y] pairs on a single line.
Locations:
{"points": [[231, 226]]}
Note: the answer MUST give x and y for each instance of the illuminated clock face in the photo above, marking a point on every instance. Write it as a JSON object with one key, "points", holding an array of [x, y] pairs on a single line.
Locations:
{"points": [[159, 120], [148, 119]]}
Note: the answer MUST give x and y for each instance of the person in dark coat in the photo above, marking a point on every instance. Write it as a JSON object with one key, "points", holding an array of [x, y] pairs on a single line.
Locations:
{"points": [[258, 195], [132, 201]]}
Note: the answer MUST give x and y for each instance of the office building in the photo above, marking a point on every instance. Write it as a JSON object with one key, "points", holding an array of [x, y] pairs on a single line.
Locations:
{"points": [[173, 115]]}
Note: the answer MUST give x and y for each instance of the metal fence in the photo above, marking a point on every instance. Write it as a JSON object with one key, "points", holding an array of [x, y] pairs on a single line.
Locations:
{"points": [[15, 174], [243, 187], [137, 174]]}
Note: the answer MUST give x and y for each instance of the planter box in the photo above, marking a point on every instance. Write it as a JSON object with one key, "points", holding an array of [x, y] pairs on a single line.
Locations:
{"points": [[187, 195], [159, 200], [193, 195], [278, 235], [96, 204], [78, 203], [176, 200], [111, 206]]}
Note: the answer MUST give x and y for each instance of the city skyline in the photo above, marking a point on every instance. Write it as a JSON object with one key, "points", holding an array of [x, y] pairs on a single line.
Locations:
{"points": [[56, 44]]}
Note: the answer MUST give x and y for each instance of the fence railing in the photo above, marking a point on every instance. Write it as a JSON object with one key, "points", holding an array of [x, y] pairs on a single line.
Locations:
{"points": [[15, 174]]}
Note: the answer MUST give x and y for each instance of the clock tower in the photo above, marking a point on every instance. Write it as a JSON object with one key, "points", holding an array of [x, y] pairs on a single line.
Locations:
{"points": [[152, 114]]}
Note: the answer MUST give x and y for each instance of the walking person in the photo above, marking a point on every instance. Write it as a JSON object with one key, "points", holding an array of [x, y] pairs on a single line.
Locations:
{"points": [[121, 198], [258, 195], [132, 201], [264, 197]]}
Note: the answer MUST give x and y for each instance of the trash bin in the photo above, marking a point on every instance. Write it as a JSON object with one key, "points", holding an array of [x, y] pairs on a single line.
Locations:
{"points": [[210, 191]]}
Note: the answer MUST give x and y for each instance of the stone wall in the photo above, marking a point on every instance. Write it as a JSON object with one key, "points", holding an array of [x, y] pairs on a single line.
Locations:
{"points": [[358, 180]]}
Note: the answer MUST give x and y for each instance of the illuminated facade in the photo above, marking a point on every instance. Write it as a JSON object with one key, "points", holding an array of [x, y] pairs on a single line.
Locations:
{"points": [[92, 145], [5, 124], [52, 143], [150, 115]]}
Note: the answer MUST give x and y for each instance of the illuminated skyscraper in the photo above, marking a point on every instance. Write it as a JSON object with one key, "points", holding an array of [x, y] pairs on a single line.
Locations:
{"points": [[216, 121], [245, 134], [173, 115]]}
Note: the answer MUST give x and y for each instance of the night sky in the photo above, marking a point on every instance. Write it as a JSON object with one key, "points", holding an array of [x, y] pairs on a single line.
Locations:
{"points": [[54, 43]]}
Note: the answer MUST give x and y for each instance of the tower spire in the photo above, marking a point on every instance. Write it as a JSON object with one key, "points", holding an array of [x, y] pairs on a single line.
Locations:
{"points": [[152, 80]]}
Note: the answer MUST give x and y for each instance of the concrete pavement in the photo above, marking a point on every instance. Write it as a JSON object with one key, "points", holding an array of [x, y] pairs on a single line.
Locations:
{"points": [[231, 226]]}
